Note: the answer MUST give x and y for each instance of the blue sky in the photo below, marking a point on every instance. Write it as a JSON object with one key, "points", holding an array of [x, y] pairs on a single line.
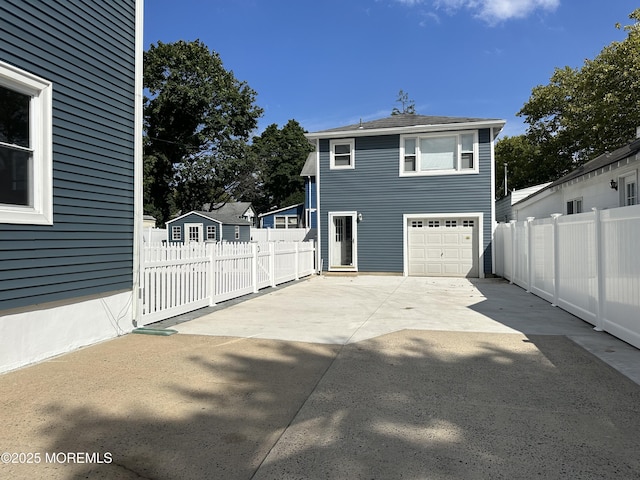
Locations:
{"points": [[328, 63]]}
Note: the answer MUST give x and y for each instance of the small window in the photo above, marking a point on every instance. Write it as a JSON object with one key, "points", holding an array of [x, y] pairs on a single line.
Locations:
{"points": [[574, 206], [211, 232], [286, 221], [434, 223], [631, 193], [410, 155], [451, 223], [416, 224], [628, 190], [468, 223], [237, 232], [26, 178], [176, 233], [342, 154]]}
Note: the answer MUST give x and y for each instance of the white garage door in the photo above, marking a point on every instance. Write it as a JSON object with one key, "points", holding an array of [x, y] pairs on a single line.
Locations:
{"points": [[443, 247]]}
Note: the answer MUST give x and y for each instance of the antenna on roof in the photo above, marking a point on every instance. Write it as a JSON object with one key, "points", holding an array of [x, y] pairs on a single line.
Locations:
{"points": [[360, 123]]}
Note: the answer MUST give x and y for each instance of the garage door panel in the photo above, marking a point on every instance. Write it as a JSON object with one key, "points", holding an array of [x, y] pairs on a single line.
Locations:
{"points": [[447, 250]]}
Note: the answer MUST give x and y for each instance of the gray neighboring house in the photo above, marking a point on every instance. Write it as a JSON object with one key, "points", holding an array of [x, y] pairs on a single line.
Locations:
{"points": [[407, 194], [70, 174], [608, 181]]}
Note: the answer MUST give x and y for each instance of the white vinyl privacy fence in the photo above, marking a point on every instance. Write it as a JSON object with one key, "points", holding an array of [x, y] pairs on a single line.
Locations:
{"points": [[588, 264], [179, 278]]}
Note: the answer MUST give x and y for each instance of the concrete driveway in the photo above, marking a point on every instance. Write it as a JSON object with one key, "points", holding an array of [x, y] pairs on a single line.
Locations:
{"points": [[336, 378]]}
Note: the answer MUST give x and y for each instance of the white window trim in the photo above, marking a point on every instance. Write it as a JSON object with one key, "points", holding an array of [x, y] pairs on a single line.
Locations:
{"points": [[345, 141], [176, 233], [209, 229], [430, 173], [237, 232], [623, 180], [286, 221], [41, 143], [574, 202]]}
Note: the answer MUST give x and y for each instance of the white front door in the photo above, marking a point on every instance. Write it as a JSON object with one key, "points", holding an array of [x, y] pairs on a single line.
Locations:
{"points": [[193, 233], [343, 241]]}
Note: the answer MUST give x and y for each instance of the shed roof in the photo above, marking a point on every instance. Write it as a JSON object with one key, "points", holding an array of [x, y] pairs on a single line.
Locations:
{"points": [[223, 218]]}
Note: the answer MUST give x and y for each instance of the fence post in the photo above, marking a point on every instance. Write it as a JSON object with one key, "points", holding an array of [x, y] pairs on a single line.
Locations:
{"points": [[297, 260], [599, 270], [254, 267], [513, 251], [529, 246], [272, 264], [556, 260], [211, 251]]}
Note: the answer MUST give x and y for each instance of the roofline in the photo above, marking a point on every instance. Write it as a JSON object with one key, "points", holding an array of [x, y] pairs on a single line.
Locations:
{"points": [[279, 210], [364, 132], [193, 212]]}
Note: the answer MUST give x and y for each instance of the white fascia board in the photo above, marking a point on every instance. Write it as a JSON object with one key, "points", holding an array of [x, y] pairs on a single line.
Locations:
{"points": [[262, 215], [448, 127]]}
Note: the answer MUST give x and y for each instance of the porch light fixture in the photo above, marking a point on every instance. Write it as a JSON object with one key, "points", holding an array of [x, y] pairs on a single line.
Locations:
{"points": [[359, 217], [614, 184]]}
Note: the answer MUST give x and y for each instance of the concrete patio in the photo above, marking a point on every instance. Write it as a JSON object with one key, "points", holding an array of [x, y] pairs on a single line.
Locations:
{"points": [[334, 378]]}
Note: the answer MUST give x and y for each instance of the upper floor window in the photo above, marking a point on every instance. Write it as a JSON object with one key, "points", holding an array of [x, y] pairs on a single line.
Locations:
{"points": [[439, 154], [342, 153], [26, 178]]}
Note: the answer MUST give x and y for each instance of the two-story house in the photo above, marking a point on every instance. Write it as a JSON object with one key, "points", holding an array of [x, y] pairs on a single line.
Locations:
{"points": [[408, 194], [70, 174]]}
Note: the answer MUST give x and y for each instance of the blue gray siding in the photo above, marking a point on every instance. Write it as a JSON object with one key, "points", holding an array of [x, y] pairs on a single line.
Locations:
{"points": [[268, 221], [311, 201], [375, 189], [86, 49], [193, 218]]}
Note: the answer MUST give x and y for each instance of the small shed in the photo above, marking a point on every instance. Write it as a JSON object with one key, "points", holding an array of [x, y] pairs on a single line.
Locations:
{"points": [[197, 226], [286, 217]]}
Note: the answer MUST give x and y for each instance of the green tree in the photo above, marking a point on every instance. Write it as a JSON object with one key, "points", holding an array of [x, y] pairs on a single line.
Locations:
{"points": [[587, 111], [197, 118], [281, 154], [523, 161], [408, 106]]}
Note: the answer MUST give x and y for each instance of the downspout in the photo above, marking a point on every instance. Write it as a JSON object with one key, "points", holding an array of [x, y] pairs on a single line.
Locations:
{"points": [[318, 222], [137, 165]]}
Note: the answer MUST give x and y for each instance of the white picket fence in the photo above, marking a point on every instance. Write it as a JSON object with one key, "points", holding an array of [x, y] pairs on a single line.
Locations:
{"points": [[179, 278], [587, 264]]}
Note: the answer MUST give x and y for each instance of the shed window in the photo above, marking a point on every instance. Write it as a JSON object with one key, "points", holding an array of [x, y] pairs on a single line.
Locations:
{"points": [[176, 233], [237, 232], [26, 178], [286, 221], [211, 232]]}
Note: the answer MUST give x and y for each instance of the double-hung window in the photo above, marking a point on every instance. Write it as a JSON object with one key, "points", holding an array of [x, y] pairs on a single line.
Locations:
{"points": [[26, 178], [342, 154], [439, 154]]}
